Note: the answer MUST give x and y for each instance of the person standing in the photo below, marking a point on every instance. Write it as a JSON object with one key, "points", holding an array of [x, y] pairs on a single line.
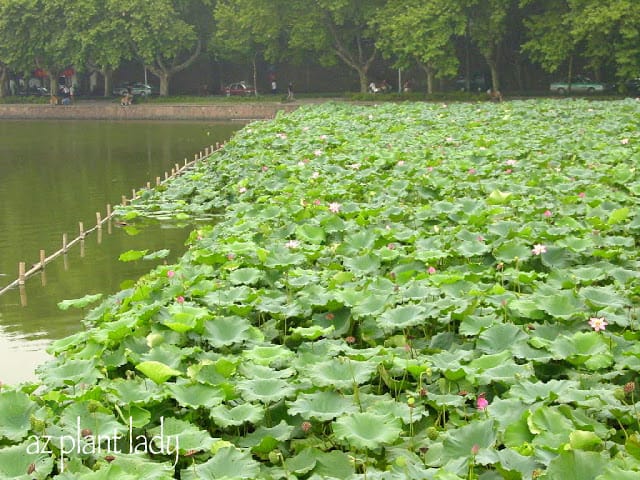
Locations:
{"points": [[290, 91], [274, 87]]}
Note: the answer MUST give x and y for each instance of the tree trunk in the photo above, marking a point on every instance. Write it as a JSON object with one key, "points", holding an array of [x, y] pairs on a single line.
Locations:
{"points": [[495, 79], [3, 81], [164, 84], [362, 75], [107, 74], [430, 73], [255, 75], [570, 73]]}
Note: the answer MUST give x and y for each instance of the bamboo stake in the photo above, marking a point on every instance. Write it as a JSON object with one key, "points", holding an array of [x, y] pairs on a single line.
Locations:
{"points": [[64, 242], [124, 200], [81, 225], [21, 272], [98, 220], [108, 210], [42, 259], [148, 185], [157, 181]]}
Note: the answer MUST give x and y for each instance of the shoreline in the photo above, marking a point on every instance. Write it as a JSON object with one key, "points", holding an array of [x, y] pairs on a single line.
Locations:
{"points": [[112, 111]]}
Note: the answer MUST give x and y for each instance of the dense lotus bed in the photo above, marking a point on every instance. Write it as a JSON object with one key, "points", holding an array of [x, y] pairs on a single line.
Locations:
{"points": [[397, 291]]}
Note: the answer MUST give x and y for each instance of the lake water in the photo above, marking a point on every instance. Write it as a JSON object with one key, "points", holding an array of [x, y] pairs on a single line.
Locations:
{"points": [[56, 174]]}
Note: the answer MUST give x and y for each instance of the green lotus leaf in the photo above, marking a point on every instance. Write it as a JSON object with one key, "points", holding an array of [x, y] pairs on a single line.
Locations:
{"points": [[563, 304], [252, 370], [158, 254], [531, 392], [157, 371], [166, 353], [618, 216], [280, 433], [268, 354], [322, 405], [265, 390], [459, 442], [245, 276], [402, 317], [16, 409], [512, 250], [341, 373], [363, 265], [303, 462], [183, 318], [583, 348], [226, 463], [283, 257], [497, 197], [141, 467], [16, 461], [132, 255], [137, 390], [310, 234], [228, 296], [172, 433], [196, 395], [577, 465], [498, 338], [70, 372], [89, 415], [584, 440], [312, 333], [224, 331], [601, 297], [367, 430], [512, 461], [79, 302], [224, 416]]}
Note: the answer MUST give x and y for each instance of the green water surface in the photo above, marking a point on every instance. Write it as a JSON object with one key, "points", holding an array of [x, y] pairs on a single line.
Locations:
{"points": [[55, 174]]}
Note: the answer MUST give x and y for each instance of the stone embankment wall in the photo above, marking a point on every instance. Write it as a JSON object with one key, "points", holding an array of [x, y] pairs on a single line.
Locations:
{"points": [[102, 111]]}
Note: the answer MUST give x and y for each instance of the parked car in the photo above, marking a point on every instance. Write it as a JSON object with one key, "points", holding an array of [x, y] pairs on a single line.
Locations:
{"points": [[238, 88], [633, 86], [137, 89], [478, 82], [33, 91], [580, 84]]}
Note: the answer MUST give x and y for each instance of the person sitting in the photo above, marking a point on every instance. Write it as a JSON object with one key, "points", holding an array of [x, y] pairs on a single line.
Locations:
{"points": [[494, 95], [373, 88], [127, 99]]}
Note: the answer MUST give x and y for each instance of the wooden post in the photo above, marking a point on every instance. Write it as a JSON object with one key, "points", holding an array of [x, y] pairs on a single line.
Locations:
{"points": [[177, 167], [206, 151], [108, 210], [124, 200], [133, 194], [64, 243], [21, 272], [173, 172], [186, 162], [148, 185], [157, 181], [217, 145], [195, 157], [81, 225], [98, 220], [42, 259]]}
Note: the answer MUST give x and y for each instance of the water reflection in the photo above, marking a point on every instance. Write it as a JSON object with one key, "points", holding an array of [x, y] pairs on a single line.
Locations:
{"points": [[60, 173]]}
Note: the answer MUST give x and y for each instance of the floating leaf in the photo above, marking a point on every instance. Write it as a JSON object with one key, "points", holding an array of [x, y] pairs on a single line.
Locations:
{"points": [[158, 372], [132, 255], [367, 430], [79, 302]]}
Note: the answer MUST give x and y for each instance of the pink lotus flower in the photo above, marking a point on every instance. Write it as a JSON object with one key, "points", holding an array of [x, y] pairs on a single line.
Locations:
{"points": [[180, 299], [539, 249], [281, 135], [323, 137], [511, 162], [242, 189], [508, 171], [482, 403], [582, 194], [598, 323], [171, 274], [547, 213], [334, 207], [317, 153], [305, 426], [431, 270], [624, 141], [401, 163], [265, 168], [317, 202], [355, 166], [231, 256], [391, 246], [472, 171], [315, 174]]}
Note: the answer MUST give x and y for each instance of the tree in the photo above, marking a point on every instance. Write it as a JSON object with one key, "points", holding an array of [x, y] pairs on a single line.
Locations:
{"points": [[487, 25], [160, 35], [247, 29], [100, 30], [336, 29], [32, 36], [423, 32], [551, 41]]}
